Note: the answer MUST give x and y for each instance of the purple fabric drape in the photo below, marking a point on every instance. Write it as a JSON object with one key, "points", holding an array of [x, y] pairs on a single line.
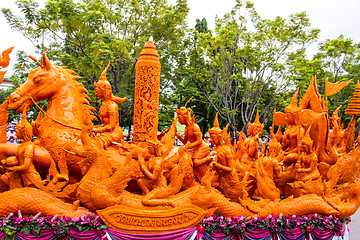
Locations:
{"points": [[88, 235], [322, 234], [218, 235], [180, 235], [294, 235], [326, 234], [45, 235], [258, 233]]}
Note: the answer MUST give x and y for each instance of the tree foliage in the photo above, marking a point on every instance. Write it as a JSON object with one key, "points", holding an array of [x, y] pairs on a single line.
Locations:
{"points": [[241, 66]]}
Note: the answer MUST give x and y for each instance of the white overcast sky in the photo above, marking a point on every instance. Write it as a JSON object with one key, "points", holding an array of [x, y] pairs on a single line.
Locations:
{"points": [[332, 17]]}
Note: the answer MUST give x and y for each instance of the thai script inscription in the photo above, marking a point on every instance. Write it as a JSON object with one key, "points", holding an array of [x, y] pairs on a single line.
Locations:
{"points": [[154, 223]]}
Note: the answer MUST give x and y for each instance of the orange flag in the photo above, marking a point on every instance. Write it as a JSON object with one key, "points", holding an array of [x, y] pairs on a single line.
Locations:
{"points": [[333, 88], [2, 73], [5, 58]]}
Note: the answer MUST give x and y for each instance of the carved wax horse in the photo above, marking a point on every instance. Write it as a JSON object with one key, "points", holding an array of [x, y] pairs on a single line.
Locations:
{"points": [[60, 126]]}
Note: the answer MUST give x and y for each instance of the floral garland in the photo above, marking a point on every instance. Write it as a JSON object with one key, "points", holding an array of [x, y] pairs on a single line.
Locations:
{"points": [[61, 226], [279, 224], [11, 224]]}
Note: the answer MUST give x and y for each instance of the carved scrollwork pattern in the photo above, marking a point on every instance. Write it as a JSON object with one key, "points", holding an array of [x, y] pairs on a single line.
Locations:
{"points": [[146, 100]]}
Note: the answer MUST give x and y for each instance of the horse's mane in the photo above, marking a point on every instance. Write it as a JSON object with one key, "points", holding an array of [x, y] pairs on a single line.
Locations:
{"points": [[84, 98]]}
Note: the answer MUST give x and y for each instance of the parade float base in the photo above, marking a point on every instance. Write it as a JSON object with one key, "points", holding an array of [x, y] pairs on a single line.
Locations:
{"points": [[214, 227]]}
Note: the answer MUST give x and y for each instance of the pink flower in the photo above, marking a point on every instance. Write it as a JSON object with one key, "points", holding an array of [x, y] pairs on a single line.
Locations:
{"points": [[210, 218], [223, 225]]}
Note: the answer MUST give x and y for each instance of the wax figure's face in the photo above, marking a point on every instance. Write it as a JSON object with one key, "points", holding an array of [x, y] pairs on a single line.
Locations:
{"points": [[214, 138], [289, 118], [305, 147], [99, 92], [181, 119]]}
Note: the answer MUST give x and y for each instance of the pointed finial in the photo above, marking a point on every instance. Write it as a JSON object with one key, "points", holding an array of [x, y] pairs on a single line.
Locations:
{"points": [[272, 134], [151, 39], [24, 123], [149, 51], [23, 115], [216, 120], [216, 127], [293, 107], [103, 74], [257, 120], [103, 82], [294, 99]]}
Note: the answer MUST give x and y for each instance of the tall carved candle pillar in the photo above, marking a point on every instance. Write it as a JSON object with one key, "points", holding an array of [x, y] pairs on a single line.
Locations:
{"points": [[147, 87], [354, 106]]}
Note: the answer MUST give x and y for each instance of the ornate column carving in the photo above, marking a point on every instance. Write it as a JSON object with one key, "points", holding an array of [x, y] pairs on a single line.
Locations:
{"points": [[146, 100]]}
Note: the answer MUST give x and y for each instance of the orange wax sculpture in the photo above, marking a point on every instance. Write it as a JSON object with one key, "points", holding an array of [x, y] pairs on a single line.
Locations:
{"points": [[149, 185], [147, 87], [4, 61], [354, 106]]}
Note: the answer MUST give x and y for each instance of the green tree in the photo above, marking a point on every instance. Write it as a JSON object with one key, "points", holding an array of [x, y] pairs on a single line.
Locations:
{"points": [[244, 62], [189, 67]]}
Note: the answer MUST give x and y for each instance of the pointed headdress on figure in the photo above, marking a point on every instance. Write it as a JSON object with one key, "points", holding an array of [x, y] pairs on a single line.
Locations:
{"points": [[183, 111], [24, 126], [156, 146], [103, 82], [255, 124], [293, 107], [216, 128]]}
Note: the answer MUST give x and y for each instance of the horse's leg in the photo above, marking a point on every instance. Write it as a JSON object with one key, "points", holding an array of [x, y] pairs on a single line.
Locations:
{"points": [[64, 171], [55, 174], [62, 165]]}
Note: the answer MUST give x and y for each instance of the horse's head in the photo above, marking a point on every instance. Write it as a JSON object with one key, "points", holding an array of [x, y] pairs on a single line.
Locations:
{"points": [[41, 84]]}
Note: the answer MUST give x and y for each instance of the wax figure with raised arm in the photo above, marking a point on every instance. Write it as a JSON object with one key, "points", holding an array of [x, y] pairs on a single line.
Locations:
{"points": [[109, 130]]}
